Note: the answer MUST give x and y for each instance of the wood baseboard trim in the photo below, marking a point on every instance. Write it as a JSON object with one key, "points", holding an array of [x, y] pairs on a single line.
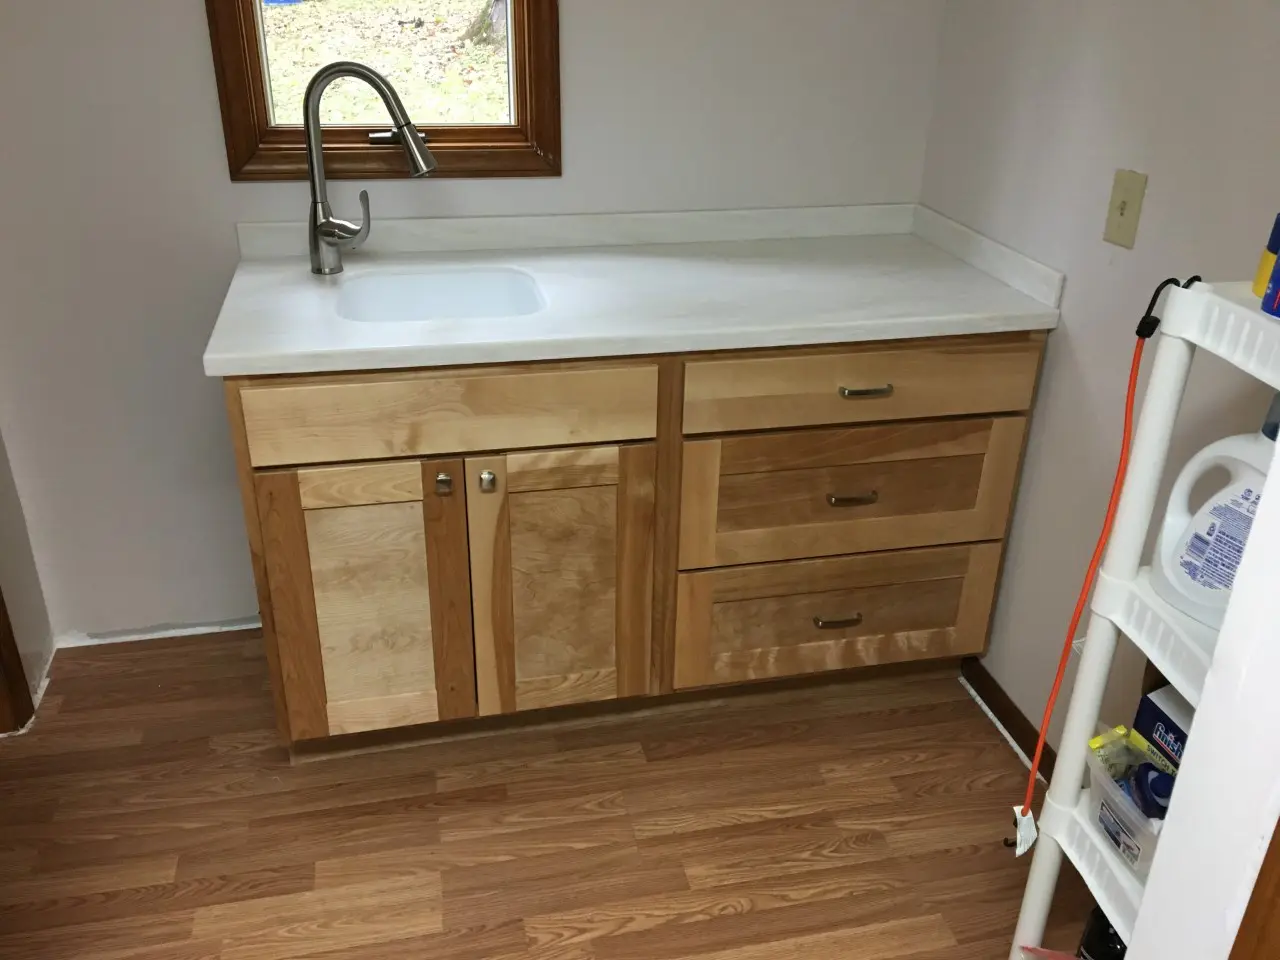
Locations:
{"points": [[1023, 731]]}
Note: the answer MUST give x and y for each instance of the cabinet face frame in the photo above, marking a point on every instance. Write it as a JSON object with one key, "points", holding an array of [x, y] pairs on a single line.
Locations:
{"points": [[593, 502], [293, 506]]}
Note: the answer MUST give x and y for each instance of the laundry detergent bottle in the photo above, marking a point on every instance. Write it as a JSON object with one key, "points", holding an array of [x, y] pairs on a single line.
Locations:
{"points": [[1196, 556]]}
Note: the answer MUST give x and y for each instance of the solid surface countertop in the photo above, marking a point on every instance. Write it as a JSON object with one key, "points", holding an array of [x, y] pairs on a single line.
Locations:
{"points": [[625, 300]]}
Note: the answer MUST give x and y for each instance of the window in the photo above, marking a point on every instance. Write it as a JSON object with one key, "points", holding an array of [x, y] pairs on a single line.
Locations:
{"points": [[480, 78]]}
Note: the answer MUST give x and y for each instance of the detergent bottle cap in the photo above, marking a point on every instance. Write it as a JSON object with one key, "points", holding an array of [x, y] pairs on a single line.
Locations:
{"points": [[1273, 244], [1271, 425]]}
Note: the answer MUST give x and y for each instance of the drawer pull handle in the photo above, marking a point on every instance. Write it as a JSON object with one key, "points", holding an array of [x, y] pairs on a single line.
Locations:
{"points": [[488, 481], [857, 500], [837, 624], [866, 393], [444, 484]]}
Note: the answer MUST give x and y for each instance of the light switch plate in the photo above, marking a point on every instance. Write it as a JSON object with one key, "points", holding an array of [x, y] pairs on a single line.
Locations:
{"points": [[1126, 208]]}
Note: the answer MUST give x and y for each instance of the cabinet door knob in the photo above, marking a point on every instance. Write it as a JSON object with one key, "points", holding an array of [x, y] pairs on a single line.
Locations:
{"points": [[866, 393], [488, 481], [444, 484]]}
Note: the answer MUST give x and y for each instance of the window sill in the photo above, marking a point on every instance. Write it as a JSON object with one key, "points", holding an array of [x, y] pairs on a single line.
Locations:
{"points": [[358, 161]]}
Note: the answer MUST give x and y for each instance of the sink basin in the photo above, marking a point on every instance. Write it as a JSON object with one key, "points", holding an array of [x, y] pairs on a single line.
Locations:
{"points": [[470, 293]]}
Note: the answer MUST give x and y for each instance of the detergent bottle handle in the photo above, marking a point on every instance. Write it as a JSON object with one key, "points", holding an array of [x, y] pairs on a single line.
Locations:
{"points": [[1178, 515]]}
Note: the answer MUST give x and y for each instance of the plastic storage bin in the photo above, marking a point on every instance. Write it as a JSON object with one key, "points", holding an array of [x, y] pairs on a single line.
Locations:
{"points": [[1121, 822]]}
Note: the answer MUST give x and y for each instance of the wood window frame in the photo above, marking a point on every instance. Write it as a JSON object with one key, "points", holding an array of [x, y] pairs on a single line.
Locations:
{"points": [[257, 149]]}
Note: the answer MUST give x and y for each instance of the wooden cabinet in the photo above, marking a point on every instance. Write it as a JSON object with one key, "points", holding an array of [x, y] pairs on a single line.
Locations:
{"points": [[442, 544], [562, 575], [370, 592]]}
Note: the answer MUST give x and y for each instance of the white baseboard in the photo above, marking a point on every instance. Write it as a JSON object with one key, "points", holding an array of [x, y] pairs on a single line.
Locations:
{"points": [[1026, 761], [38, 678], [162, 632]]}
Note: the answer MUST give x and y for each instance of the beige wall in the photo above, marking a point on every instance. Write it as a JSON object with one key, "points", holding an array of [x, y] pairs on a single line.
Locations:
{"points": [[1038, 102], [119, 239]]}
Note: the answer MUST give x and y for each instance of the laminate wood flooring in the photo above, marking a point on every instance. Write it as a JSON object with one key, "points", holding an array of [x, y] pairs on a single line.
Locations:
{"points": [[151, 815]]}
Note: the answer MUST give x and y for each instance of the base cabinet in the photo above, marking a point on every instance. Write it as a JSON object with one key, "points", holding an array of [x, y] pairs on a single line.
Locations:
{"points": [[562, 575], [435, 545]]}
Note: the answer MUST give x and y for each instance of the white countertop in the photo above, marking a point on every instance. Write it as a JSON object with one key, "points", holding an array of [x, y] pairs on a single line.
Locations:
{"points": [[624, 300]]}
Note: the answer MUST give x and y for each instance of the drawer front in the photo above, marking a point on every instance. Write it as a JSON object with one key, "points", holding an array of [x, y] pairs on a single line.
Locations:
{"points": [[374, 418], [879, 381], [816, 493], [811, 616]]}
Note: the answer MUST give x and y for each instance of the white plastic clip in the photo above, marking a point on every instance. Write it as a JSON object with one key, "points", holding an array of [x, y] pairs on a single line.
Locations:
{"points": [[1026, 827]]}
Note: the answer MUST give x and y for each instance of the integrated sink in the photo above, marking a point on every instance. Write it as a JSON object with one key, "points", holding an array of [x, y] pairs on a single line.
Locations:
{"points": [[444, 293]]}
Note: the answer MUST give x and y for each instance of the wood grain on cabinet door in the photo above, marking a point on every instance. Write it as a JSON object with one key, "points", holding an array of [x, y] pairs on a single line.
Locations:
{"points": [[754, 622], [371, 591], [562, 575]]}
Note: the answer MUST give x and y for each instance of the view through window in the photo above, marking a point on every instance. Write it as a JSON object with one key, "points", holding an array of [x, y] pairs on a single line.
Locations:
{"points": [[448, 59]]}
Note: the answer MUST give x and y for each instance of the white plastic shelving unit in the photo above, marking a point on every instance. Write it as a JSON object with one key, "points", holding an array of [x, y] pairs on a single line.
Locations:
{"points": [[1225, 320], [1181, 648]]}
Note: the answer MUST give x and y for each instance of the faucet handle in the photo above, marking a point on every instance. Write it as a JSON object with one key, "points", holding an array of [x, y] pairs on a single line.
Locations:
{"points": [[366, 221], [383, 138], [346, 235]]}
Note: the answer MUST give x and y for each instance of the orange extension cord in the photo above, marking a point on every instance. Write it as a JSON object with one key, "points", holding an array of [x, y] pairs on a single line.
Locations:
{"points": [[1094, 563]]}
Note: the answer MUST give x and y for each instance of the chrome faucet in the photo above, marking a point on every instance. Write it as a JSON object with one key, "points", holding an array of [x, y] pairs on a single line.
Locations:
{"points": [[328, 235]]}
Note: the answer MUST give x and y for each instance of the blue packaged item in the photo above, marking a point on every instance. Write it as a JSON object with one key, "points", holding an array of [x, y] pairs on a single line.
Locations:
{"points": [[1149, 788], [1164, 720]]}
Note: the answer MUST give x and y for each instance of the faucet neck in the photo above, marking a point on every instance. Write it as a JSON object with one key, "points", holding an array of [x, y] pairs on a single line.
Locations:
{"points": [[311, 115]]}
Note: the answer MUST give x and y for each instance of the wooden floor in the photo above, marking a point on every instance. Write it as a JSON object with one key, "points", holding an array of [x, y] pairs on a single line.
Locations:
{"points": [[151, 815]]}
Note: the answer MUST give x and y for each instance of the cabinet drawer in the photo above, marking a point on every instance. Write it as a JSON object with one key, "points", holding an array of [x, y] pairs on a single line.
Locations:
{"points": [[881, 381], [810, 616], [815, 493], [414, 414]]}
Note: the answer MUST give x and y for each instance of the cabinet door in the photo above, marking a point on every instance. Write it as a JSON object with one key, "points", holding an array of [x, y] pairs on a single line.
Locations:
{"points": [[562, 575], [370, 590]]}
